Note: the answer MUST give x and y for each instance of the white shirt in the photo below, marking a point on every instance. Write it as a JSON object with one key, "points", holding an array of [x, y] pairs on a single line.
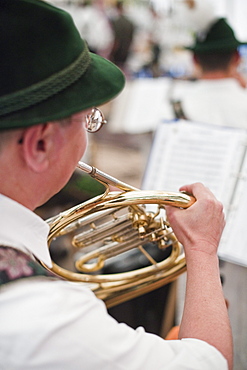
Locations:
{"points": [[58, 325], [222, 102]]}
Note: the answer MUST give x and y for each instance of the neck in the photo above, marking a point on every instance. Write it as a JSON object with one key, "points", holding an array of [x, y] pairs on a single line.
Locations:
{"points": [[17, 192], [18, 185], [215, 75]]}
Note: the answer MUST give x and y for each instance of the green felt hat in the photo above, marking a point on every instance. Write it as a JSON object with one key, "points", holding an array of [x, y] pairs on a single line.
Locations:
{"points": [[47, 72], [220, 37]]}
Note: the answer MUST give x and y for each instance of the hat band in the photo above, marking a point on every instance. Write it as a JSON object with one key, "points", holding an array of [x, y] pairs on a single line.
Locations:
{"points": [[43, 90]]}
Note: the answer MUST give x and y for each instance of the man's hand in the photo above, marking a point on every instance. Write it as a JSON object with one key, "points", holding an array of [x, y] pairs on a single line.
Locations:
{"points": [[200, 226]]}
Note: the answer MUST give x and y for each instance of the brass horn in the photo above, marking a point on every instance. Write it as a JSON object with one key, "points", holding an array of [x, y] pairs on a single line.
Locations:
{"points": [[112, 227]]}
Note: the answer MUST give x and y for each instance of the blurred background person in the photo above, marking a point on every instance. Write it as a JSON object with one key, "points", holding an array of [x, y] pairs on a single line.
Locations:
{"points": [[218, 96], [123, 30], [93, 25]]}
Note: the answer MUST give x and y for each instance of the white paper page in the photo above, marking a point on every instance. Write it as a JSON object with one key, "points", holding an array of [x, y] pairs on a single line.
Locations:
{"points": [[185, 152], [118, 109], [143, 106]]}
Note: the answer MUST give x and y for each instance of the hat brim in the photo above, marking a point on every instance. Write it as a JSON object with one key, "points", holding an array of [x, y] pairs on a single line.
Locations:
{"points": [[219, 46], [101, 82]]}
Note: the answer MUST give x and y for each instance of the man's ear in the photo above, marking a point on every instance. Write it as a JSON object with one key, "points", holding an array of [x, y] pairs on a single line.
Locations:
{"points": [[37, 145], [236, 58], [195, 59]]}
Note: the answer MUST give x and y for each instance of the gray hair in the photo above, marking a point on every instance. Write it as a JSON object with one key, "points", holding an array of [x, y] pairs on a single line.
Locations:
{"points": [[6, 136]]}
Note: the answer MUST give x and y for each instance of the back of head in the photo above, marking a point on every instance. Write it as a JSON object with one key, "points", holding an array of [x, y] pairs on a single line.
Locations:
{"points": [[217, 61], [120, 6], [47, 72]]}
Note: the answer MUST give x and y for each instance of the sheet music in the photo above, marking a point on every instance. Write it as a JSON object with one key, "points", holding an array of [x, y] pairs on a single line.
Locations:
{"points": [[185, 152]]}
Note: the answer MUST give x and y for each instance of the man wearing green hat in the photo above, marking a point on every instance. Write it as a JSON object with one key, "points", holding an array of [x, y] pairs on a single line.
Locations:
{"points": [[49, 85], [219, 95]]}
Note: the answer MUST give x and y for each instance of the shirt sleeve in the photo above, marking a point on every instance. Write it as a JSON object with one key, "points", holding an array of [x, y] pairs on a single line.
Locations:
{"points": [[60, 325]]}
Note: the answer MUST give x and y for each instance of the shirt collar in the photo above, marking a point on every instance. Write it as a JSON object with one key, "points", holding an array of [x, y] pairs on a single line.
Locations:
{"points": [[23, 229]]}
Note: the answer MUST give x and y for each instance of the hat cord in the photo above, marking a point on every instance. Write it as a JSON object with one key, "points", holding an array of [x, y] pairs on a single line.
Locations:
{"points": [[43, 90]]}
